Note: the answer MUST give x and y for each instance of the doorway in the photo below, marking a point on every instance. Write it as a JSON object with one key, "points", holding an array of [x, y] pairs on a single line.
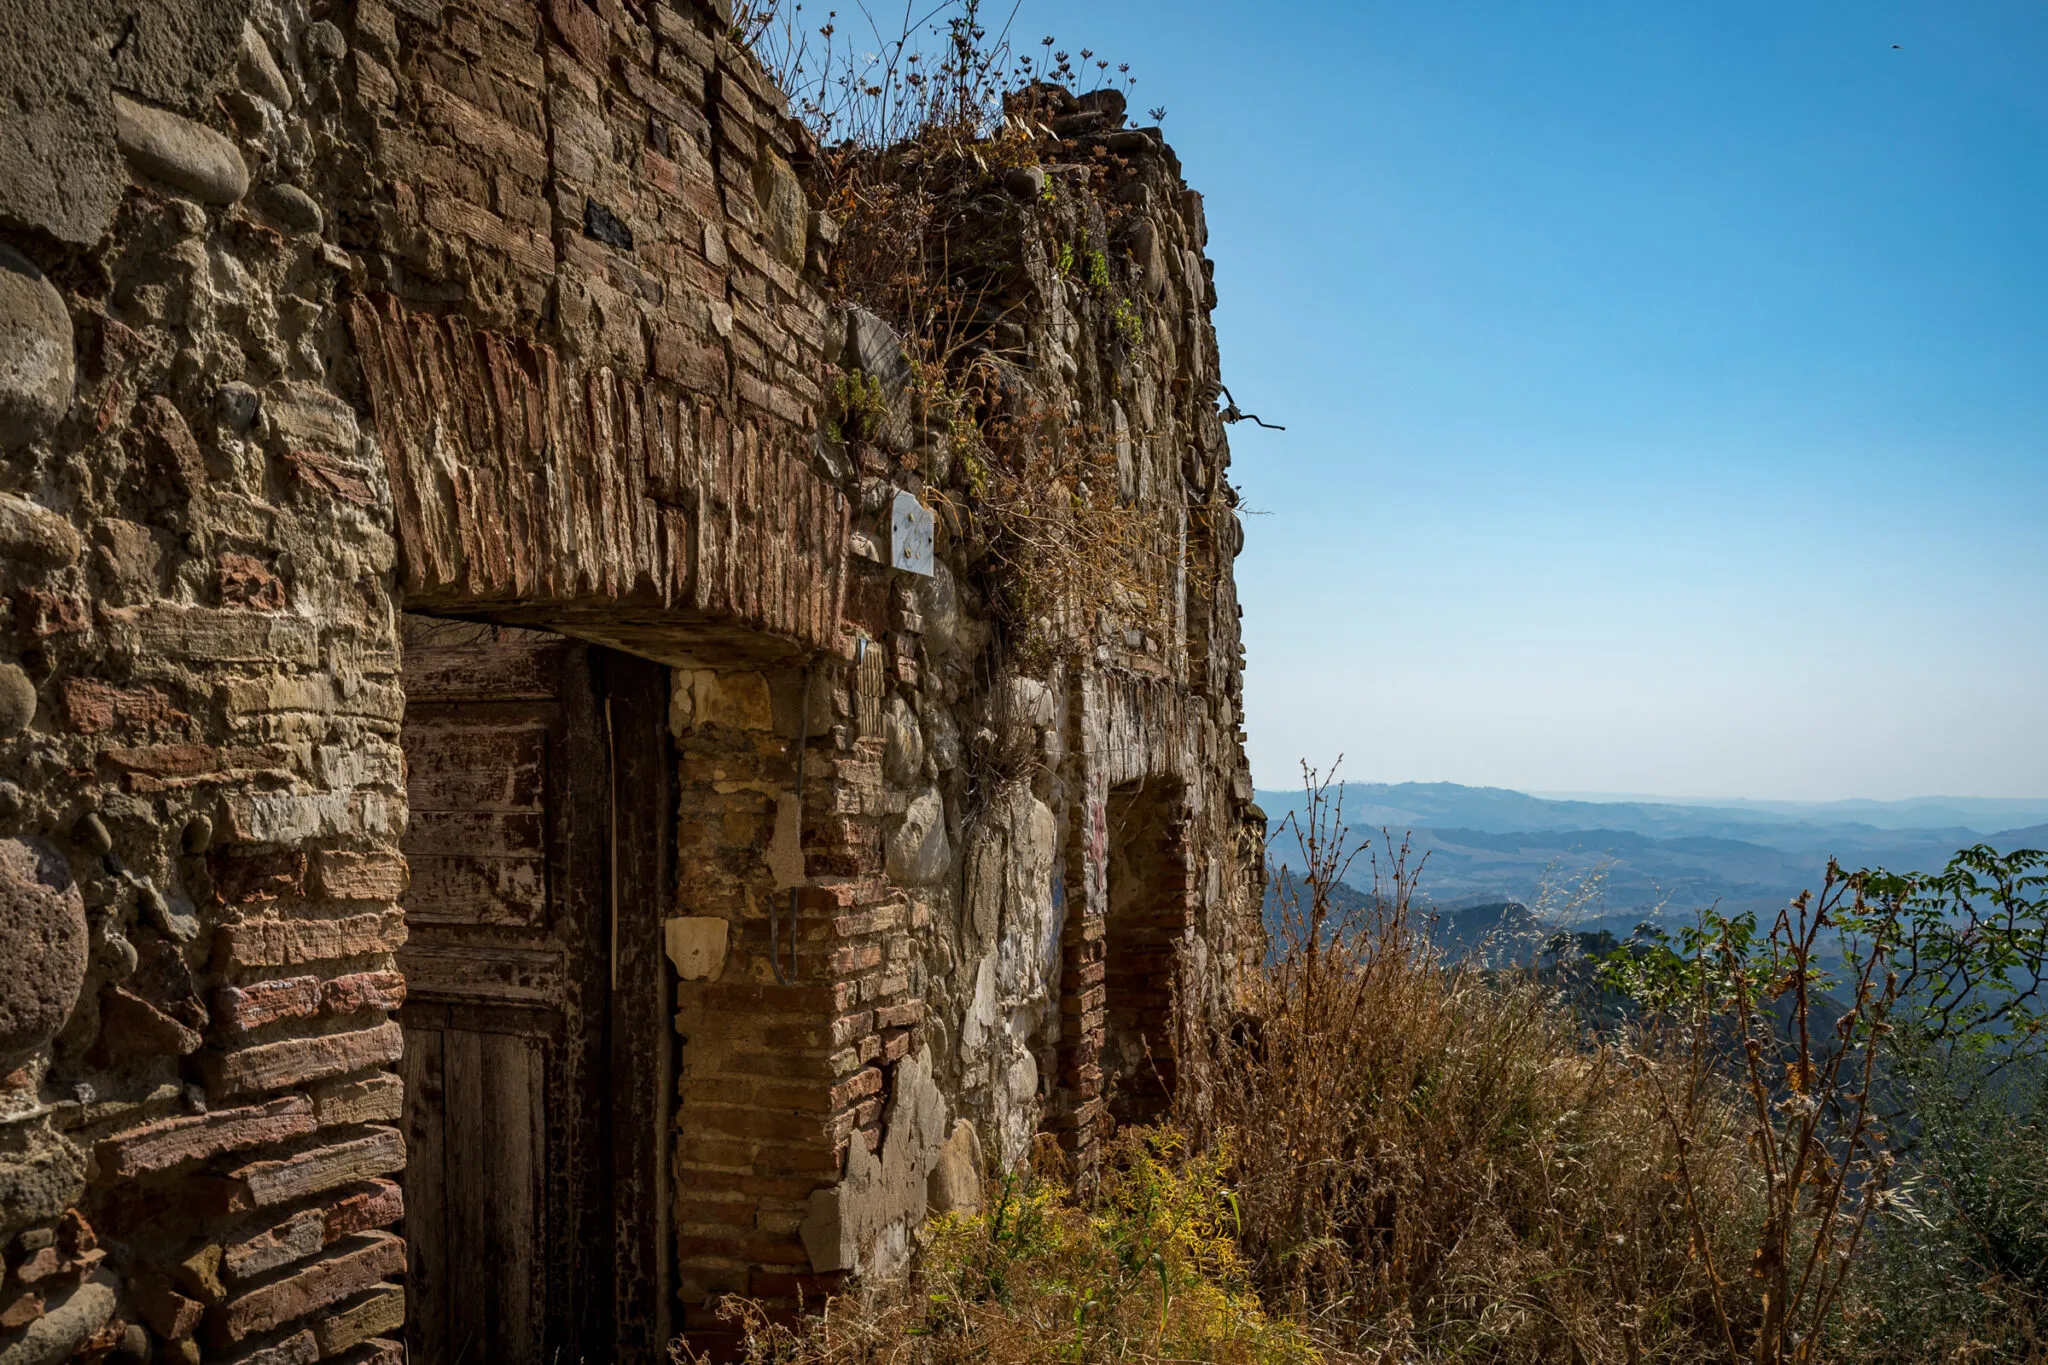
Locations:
{"points": [[539, 1066], [1151, 908]]}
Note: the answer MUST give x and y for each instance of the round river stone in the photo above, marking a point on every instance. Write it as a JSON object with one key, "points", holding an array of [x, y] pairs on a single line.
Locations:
{"points": [[44, 947], [36, 372], [179, 152], [17, 701]]}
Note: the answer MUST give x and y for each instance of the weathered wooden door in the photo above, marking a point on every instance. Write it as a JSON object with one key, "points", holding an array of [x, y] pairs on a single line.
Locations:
{"points": [[534, 1066]]}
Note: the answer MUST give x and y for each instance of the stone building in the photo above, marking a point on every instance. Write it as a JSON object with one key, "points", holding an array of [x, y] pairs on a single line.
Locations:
{"points": [[517, 822]]}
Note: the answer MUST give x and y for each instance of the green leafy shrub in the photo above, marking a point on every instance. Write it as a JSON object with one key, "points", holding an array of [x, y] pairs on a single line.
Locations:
{"points": [[857, 409]]}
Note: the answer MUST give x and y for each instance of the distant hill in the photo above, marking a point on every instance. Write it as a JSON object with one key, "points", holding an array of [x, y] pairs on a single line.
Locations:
{"points": [[1920, 812], [1490, 845]]}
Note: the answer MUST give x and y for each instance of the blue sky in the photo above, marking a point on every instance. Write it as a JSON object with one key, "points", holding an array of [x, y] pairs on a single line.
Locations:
{"points": [[1667, 384]]}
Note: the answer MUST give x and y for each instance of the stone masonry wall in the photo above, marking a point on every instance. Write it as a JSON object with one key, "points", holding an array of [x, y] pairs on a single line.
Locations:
{"points": [[519, 310]]}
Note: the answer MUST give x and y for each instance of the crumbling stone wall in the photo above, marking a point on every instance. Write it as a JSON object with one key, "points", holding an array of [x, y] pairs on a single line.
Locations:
{"points": [[517, 310]]}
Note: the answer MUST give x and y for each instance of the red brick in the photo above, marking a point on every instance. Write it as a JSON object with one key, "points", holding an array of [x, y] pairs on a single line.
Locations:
{"points": [[378, 1204], [381, 1205], [355, 1267], [300, 1236], [326, 475], [865, 1081], [173, 1142], [377, 1351], [847, 961], [243, 1008], [382, 1309], [266, 1184], [852, 1026], [91, 706], [362, 876], [242, 877], [271, 1066], [133, 1027], [530, 251], [292, 942], [38, 615], [361, 991], [21, 1310], [691, 361], [169, 1314], [298, 1349], [735, 1212], [900, 1016], [754, 1123], [581, 31], [164, 760], [373, 1099], [246, 581]]}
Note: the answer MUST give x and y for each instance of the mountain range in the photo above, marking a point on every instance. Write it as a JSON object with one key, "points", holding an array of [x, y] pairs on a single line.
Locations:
{"points": [[1658, 859]]}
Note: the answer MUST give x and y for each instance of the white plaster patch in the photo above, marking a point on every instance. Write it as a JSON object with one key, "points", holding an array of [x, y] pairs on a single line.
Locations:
{"points": [[785, 852], [697, 946], [919, 853], [737, 701], [1014, 918], [863, 1223]]}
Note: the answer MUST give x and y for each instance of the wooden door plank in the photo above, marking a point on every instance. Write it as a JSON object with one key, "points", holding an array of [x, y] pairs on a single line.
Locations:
{"points": [[479, 890], [476, 833], [515, 1083], [458, 761], [471, 1269], [642, 1005], [578, 1120], [426, 1209]]}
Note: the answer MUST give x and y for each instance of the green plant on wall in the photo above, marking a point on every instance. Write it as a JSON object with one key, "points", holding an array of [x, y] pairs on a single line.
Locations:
{"points": [[857, 407], [1098, 271], [1129, 325]]}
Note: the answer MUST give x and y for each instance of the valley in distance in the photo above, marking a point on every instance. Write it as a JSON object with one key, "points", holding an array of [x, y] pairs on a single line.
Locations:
{"points": [[1491, 851]]}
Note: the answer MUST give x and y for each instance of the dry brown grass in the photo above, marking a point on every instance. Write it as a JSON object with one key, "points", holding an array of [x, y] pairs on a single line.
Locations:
{"points": [[1438, 1163], [1145, 1269]]}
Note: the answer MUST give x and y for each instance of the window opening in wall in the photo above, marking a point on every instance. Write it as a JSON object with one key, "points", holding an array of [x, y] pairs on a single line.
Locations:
{"points": [[1150, 910]]}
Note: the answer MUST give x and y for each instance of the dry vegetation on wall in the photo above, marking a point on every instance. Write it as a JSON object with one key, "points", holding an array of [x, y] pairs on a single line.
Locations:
{"points": [[933, 144]]}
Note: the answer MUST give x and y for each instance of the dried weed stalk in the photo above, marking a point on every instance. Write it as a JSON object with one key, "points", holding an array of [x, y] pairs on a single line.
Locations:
{"points": [[1437, 1162], [917, 118]]}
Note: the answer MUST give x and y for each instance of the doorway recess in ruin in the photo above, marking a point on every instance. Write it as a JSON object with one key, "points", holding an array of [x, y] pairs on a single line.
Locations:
{"points": [[1151, 906], [537, 1043]]}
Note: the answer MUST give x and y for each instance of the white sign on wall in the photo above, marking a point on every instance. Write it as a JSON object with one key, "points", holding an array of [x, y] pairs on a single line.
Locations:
{"points": [[910, 535]]}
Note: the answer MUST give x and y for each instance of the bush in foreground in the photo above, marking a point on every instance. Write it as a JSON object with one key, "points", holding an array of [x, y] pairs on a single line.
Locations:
{"points": [[1145, 1269], [1441, 1162]]}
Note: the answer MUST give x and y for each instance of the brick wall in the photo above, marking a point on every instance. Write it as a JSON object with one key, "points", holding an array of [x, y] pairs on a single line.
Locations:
{"points": [[517, 309]]}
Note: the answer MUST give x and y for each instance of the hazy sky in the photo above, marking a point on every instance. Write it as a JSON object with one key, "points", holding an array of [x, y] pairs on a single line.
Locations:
{"points": [[1666, 384]]}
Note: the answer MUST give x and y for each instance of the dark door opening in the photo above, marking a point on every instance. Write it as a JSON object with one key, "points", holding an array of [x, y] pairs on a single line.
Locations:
{"points": [[1151, 906], [537, 1065]]}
